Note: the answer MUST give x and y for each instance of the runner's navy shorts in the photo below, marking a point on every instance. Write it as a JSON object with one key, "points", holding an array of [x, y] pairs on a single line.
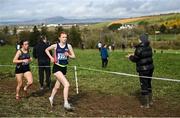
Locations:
{"points": [[57, 68]]}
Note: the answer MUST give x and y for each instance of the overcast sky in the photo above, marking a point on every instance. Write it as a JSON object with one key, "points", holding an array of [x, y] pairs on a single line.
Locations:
{"points": [[39, 9]]}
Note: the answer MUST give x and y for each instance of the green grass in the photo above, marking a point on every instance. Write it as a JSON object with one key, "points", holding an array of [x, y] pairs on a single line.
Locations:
{"points": [[164, 37], [167, 65], [98, 25]]}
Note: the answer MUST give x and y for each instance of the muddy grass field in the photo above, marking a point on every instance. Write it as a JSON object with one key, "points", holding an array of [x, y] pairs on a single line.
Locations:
{"points": [[100, 94], [86, 103]]}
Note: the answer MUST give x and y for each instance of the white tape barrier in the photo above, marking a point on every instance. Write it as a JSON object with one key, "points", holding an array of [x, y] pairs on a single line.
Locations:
{"points": [[110, 72], [130, 75]]}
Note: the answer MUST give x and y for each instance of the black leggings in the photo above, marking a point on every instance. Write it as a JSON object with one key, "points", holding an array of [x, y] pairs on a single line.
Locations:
{"points": [[104, 62], [145, 83], [47, 71]]}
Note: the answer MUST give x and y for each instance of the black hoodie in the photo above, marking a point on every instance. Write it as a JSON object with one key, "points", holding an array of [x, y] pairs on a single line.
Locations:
{"points": [[39, 51]]}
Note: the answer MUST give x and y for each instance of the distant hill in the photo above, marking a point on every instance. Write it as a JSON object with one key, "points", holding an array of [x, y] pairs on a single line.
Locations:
{"points": [[57, 20], [167, 19]]}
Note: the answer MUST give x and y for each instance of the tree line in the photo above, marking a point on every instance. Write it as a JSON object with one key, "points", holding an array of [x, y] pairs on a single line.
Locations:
{"points": [[33, 36], [88, 38]]}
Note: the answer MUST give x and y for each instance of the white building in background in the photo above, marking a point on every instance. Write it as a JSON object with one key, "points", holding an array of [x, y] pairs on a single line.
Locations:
{"points": [[126, 26], [52, 25], [62, 25], [19, 30]]}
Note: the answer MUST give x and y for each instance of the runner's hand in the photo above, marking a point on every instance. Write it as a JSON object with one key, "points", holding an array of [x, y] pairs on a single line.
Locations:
{"points": [[66, 54], [25, 60]]}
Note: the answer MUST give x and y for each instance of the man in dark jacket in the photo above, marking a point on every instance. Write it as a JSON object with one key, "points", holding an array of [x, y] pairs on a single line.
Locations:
{"points": [[43, 61], [144, 66]]}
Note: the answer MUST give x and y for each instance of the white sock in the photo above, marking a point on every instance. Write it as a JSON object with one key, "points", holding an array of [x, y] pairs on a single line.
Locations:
{"points": [[66, 102], [51, 97]]}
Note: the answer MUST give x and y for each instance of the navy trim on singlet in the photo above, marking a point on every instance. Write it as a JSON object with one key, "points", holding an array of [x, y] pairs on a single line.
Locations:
{"points": [[22, 67], [23, 56]]}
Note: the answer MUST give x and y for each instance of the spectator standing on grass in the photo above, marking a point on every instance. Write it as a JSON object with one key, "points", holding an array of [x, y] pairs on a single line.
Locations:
{"points": [[17, 46], [144, 66], [113, 46], [43, 62], [99, 46], [22, 60], [123, 47], [82, 46], [110, 48], [62, 51], [104, 56]]}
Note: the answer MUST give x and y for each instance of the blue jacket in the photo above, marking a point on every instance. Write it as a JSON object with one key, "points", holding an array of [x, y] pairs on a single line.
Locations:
{"points": [[104, 53]]}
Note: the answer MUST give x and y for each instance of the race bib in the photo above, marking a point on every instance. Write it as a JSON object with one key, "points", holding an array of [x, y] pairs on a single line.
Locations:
{"points": [[61, 56]]}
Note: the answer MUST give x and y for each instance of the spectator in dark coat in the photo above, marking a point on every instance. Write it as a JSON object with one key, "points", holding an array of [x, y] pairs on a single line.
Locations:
{"points": [[144, 66], [43, 62]]}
